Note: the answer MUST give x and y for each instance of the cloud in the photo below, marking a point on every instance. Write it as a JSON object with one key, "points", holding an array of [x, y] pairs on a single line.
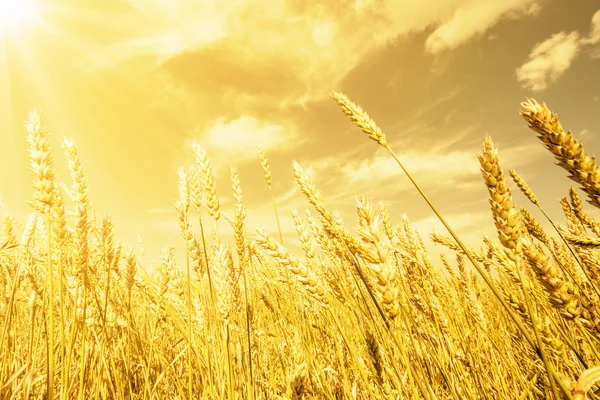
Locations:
{"points": [[297, 41], [594, 36], [593, 39], [235, 140], [447, 167], [474, 19], [164, 28], [549, 60], [439, 101], [318, 169]]}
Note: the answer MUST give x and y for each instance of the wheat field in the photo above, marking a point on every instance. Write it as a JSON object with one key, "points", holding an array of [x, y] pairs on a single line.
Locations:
{"points": [[362, 313]]}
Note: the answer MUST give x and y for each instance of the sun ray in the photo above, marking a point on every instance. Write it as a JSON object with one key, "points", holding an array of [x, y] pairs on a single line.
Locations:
{"points": [[8, 126], [15, 14]]}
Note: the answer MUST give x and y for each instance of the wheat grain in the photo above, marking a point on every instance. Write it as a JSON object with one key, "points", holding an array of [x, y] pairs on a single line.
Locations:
{"points": [[533, 227], [210, 186], [524, 187], [41, 162], [506, 216], [304, 275], [568, 151], [360, 118], [303, 235]]}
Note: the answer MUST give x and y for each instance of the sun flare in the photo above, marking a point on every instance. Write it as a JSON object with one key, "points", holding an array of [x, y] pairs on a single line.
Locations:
{"points": [[14, 14]]}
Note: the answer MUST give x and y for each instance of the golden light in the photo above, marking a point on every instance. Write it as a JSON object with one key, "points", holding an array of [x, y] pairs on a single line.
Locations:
{"points": [[14, 14]]}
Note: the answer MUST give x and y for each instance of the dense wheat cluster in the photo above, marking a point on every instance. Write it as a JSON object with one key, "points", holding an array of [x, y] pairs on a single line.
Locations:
{"points": [[363, 313]]}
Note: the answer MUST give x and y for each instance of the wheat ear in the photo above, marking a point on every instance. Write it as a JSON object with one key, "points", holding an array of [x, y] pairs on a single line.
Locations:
{"points": [[568, 151]]}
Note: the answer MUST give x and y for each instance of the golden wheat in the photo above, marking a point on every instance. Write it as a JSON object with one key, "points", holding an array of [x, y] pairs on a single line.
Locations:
{"points": [[374, 317]]}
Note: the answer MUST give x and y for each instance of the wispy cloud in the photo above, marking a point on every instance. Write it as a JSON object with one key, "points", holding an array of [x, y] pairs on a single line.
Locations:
{"points": [[441, 100], [235, 141], [447, 167], [474, 19], [302, 39], [594, 35], [549, 60], [593, 39]]}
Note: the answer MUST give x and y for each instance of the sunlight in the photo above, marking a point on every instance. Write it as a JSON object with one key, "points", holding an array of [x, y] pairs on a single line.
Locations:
{"points": [[14, 14]]}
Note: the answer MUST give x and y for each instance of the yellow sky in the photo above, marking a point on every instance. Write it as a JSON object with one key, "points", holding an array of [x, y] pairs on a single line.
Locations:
{"points": [[134, 82]]}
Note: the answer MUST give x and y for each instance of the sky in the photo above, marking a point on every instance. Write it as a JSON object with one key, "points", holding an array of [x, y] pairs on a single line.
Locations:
{"points": [[135, 82]]}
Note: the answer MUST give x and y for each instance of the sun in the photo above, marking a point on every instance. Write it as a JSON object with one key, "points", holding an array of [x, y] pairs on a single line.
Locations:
{"points": [[15, 14]]}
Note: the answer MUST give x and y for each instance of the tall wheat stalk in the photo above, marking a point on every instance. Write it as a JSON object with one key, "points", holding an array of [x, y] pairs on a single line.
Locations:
{"points": [[44, 200], [82, 227], [183, 206]]}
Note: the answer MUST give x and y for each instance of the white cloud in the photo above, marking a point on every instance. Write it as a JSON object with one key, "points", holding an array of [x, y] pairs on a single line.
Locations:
{"points": [[441, 100], [301, 38], [319, 167], [593, 39], [235, 141], [549, 60], [594, 36], [474, 19], [447, 167]]}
